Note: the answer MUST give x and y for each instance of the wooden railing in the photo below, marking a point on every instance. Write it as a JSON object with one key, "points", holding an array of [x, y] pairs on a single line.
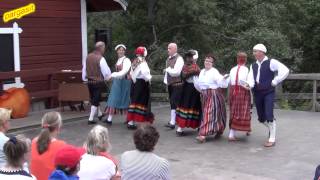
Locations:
{"points": [[280, 95], [49, 93]]}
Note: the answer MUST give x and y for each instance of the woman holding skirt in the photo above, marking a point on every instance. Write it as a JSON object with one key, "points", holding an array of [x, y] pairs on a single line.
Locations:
{"points": [[213, 120], [140, 92], [189, 108], [239, 98], [119, 97]]}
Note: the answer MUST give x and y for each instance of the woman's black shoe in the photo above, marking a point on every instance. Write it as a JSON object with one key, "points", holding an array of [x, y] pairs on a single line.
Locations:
{"points": [[131, 127]]}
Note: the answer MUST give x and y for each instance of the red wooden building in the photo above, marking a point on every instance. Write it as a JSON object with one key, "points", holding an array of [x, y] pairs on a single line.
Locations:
{"points": [[55, 35]]}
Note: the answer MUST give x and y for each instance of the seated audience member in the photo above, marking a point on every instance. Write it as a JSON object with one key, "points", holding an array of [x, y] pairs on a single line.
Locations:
{"points": [[96, 163], [142, 163], [4, 126], [317, 174], [45, 146], [67, 162], [16, 152]]}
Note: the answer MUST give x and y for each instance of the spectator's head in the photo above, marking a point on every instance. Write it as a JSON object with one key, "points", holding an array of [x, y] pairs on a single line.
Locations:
{"points": [[67, 160], [4, 119], [16, 151], [97, 140], [51, 124], [146, 137], [172, 49], [100, 47]]}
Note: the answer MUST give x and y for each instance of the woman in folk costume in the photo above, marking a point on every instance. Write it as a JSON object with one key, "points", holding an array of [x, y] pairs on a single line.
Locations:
{"points": [[212, 101], [119, 97], [239, 97], [140, 92], [189, 108]]}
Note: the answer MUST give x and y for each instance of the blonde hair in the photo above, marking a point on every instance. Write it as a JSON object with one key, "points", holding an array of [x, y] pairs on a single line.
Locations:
{"points": [[50, 122], [5, 115], [98, 140]]}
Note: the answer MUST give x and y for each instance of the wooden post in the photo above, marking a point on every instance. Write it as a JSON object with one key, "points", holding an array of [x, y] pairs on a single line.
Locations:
{"points": [[314, 96]]}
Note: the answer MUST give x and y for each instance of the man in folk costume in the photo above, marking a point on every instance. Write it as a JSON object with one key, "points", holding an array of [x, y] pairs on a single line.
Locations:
{"points": [[239, 97], [172, 78], [119, 97], [95, 71], [263, 80], [189, 108], [140, 92]]}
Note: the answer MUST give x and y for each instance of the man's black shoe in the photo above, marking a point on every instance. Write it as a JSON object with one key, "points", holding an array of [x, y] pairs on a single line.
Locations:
{"points": [[92, 122], [179, 133]]}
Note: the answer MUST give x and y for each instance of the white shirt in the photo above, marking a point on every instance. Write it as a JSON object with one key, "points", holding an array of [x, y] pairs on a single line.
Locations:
{"points": [[16, 175], [242, 75], [126, 64], [275, 65], [96, 168], [176, 70], [3, 140], [209, 79], [105, 70], [141, 72]]}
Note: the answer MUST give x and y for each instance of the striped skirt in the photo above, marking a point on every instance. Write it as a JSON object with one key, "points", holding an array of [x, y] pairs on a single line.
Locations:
{"points": [[139, 108], [240, 104], [213, 112], [188, 112]]}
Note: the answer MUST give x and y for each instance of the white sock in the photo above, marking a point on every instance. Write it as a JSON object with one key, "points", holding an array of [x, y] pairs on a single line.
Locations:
{"points": [[173, 117], [131, 123], [99, 112], [179, 129], [109, 118], [231, 133], [92, 112], [273, 127]]}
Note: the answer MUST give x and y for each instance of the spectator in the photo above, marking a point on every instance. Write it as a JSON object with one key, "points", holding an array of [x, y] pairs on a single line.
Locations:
{"points": [[17, 153], [4, 126], [143, 163], [45, 146], [317, 174], [67, 162], [96, 163]]}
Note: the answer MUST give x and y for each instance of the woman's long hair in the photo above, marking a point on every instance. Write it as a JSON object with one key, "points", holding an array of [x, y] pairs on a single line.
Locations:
{"points": [[50, 122]]}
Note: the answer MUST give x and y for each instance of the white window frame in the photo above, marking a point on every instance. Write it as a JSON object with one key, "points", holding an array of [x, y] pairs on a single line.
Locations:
{"points": [[15, 30]]}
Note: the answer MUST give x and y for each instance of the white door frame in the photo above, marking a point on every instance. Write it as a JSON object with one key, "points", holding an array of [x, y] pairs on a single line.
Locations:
{"points": [[15, 30]]}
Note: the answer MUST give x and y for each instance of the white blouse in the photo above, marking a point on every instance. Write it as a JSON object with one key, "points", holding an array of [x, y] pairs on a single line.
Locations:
{"points": [[141, 72], [242, 76], [126, 64], [209, 79]]}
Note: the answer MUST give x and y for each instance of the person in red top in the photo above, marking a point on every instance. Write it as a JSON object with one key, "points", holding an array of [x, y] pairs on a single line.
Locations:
{"points": [[45, 146]]}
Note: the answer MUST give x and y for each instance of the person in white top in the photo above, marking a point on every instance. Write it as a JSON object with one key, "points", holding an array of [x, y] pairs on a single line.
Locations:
{"points": [[96, 163], [239, 98], [263, 80], [17, 153], [213, 105], [5, 115], [95, 71], [139, 110], [119, 97], [172, 79]]}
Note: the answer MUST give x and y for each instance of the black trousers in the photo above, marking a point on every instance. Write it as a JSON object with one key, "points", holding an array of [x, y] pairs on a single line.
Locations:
{"points": [[95, 94], [175, 92]]}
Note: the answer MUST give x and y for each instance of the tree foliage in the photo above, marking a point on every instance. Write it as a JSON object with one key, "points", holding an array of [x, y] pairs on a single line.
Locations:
{"points": [[289, 28]]}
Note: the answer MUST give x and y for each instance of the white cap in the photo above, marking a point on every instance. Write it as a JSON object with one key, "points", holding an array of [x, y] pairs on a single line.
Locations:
{"points": [[120, 45], [260, 47], [196, 55]]}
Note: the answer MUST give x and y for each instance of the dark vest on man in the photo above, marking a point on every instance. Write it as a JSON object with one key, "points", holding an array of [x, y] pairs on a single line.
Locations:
{"points": [[266, 77], [93, 69], [171, 61]]}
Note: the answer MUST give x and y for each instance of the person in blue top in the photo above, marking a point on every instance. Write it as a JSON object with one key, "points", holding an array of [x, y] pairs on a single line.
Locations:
{"points": [[67, 162]]}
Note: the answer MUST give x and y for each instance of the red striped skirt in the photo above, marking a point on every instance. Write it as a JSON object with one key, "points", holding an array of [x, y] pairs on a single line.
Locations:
{"points": [[240, 104], [213, 112]]}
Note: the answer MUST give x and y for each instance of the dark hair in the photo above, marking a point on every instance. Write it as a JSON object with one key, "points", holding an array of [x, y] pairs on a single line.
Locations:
{"points": [[67, 170], [211, 55], [14, 149], [146, 137], [50, 122]]}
